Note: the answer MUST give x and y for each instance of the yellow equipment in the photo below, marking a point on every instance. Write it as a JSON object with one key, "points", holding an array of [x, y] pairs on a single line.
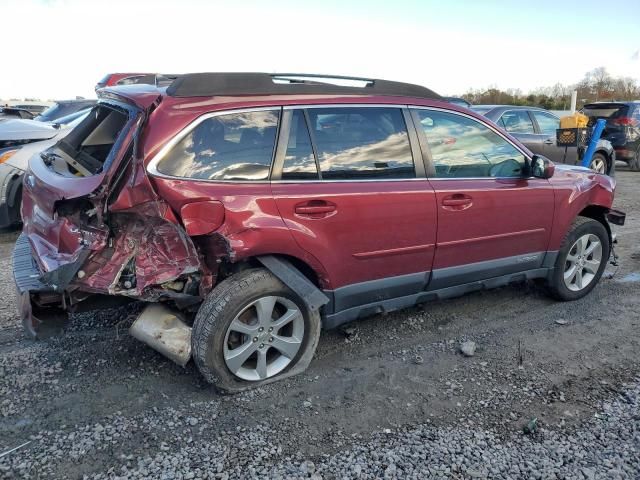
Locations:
{"points": [[577, 120]]}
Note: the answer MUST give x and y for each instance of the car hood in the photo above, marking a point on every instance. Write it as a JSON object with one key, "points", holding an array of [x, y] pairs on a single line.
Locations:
{"points": [[20, 159], [19, 129]]}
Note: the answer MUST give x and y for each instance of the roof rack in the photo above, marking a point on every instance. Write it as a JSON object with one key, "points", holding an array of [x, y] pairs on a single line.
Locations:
{"points": [[234, 83]]}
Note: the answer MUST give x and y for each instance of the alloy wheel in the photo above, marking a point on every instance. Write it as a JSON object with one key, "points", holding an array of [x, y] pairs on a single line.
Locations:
{"points": [[264, 338], [583, 262], [599, 165]]}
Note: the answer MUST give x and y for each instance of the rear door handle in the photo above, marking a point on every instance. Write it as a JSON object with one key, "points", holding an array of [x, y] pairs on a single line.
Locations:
{"points": [[549, 141], [457, 201], [315, 208]]}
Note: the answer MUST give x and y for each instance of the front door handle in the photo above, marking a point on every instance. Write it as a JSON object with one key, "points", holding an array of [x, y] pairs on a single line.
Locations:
{"points": [[457, 201], [315, 208], [549, 141]]}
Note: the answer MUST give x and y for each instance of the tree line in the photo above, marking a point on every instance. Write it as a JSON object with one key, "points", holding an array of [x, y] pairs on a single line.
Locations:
{"points": [[596, 86]]}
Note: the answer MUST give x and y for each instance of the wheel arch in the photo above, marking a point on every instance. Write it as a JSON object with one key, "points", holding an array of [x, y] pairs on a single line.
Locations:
{"points": [[598, 213]]}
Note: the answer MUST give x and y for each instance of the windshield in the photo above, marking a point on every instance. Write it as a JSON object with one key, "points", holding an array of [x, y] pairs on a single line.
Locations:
{"points": [[59, 110], [74, 118], [605, 110]]}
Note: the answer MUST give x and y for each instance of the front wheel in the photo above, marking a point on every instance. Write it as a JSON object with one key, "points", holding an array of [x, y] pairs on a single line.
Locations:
{"points": [[599, 164], [634, 163], [581, 260], [252, 330]]}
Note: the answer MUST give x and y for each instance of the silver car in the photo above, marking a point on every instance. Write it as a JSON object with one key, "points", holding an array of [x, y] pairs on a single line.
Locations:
{"points": [[22, 139]]}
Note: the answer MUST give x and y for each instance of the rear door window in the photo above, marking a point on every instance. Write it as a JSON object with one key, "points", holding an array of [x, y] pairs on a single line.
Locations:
{"points": [[517, 121], [361, 143], [235, 146]]}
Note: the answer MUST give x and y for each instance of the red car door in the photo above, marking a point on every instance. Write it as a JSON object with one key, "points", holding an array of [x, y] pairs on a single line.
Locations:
{"points": [[492, 221], [355, 199]]}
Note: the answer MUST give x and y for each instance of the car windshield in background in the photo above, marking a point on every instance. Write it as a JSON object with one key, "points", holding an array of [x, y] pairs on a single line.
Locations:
{"points": [[73, 118], [59, 110]]}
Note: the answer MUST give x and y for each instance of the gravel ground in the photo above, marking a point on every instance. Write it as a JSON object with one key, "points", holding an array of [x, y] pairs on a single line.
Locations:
{"points": [[400, 402]]}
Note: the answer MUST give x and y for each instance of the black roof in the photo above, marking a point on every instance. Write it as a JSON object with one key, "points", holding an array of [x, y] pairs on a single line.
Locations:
{"points": [[212, 84]]}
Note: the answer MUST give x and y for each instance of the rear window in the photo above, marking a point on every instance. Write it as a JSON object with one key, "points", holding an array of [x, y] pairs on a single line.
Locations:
{"points": [[136, 79], [604, 110], [86, 148], [235, 146]]}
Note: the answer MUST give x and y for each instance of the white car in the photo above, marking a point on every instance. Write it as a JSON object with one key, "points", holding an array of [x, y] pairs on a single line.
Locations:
{"points": [[19, 140]]}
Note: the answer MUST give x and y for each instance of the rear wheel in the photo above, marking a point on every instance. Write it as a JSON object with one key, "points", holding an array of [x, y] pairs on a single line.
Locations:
{"points": [[634, 163], [599, 163], [581, 260], [251, 330]]}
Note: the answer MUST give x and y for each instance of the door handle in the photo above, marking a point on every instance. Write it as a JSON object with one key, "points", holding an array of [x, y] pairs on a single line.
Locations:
{"points": [[315, 208], [549, 141], [457, 201]]}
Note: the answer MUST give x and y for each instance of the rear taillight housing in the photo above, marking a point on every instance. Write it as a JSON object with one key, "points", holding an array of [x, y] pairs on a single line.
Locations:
{"points": [[625, 121]]}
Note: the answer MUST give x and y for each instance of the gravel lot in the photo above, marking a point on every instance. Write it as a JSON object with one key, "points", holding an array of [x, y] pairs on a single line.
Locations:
{"points": [[391, 396]]}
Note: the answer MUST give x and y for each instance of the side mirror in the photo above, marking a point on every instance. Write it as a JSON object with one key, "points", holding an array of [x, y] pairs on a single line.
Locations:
{"points": [[542, 167]]}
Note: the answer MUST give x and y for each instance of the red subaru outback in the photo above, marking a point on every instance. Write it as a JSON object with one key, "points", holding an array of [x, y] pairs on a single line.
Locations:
{"points": [[249, 210]]}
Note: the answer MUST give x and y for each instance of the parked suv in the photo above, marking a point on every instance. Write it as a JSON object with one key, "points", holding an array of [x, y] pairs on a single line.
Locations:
{"points": [[622, 128], [250, 209]]}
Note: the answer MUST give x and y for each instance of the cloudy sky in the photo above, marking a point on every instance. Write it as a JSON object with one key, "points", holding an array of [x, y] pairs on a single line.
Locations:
{"points": [[61, 48]]}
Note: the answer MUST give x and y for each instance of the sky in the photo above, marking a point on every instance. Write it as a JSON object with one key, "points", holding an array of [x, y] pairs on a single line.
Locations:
{"points": [[54, 49]]}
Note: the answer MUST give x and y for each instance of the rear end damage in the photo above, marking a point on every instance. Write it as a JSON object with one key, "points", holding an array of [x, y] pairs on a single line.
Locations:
{"points": [[96, 232]]}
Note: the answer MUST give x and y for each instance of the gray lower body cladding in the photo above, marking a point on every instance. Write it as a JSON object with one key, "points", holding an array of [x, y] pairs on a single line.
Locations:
{"points": [[386, 295]]}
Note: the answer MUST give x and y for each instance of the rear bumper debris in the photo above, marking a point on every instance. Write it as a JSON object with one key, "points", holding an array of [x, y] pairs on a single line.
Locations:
{"points": [[39, 305]]}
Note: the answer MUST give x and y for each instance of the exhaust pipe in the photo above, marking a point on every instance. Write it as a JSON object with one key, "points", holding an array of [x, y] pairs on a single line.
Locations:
{"points": [[165, 331]]}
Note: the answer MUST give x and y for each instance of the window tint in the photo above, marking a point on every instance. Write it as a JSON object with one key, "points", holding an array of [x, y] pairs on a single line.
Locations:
{"points": [[354, 143], [548, 123], [462, 147], [299, 161], [237, 146], [517, 121]]}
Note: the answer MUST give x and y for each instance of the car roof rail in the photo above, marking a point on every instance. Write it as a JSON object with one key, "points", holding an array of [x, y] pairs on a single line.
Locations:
{"points": [[236, 83]]}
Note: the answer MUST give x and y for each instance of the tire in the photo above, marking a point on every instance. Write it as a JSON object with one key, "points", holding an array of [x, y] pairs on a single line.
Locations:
{"points": [[214, 339], [634, 163], [577, 286], [600, 164]]}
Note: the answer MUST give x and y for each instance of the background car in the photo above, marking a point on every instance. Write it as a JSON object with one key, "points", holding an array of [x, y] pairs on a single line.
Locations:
{"points": [[112, 79], [15, 132], [536, 129], [14, 161], [622, 128], [14, 112], [33, 108]]}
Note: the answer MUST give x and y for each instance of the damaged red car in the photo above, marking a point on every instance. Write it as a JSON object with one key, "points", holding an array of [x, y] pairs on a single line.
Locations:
{"points": [[250, 210]]}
